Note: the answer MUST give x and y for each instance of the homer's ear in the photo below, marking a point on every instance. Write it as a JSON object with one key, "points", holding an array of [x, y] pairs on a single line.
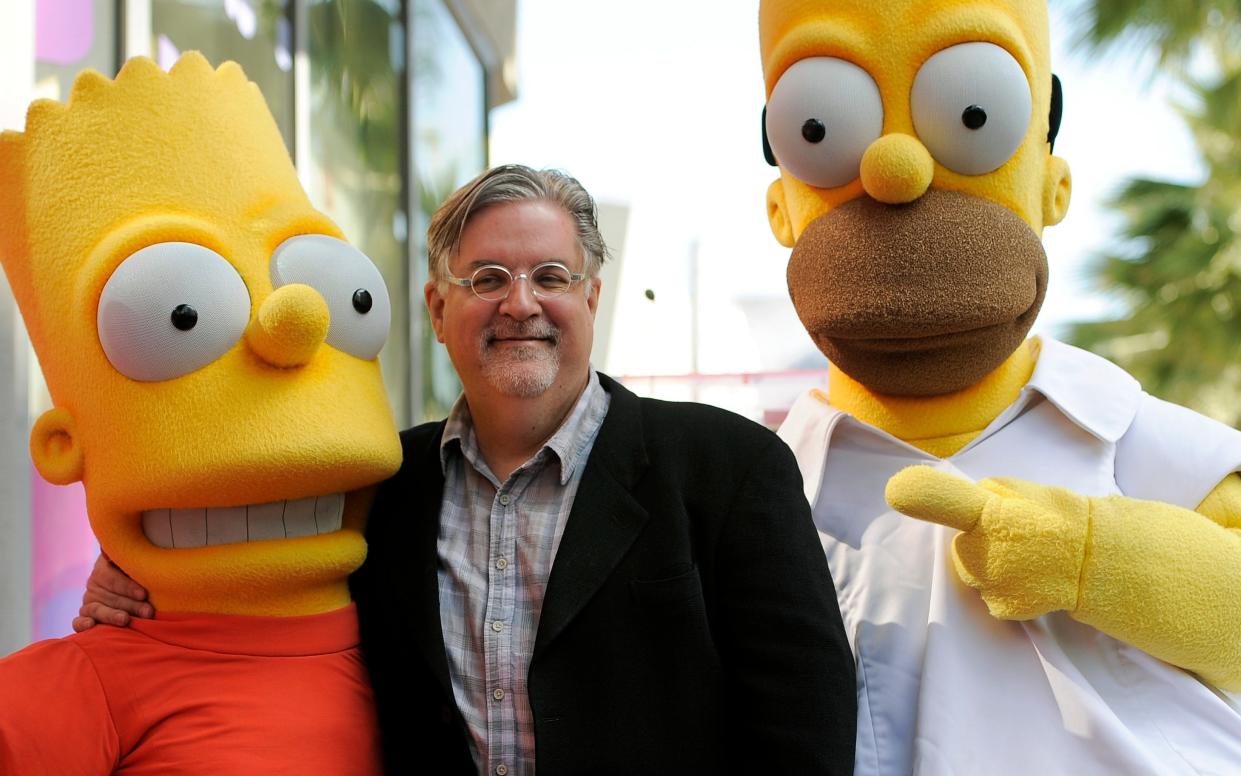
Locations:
{"points": [[1057, 188], [778, 213], [55, 447]]}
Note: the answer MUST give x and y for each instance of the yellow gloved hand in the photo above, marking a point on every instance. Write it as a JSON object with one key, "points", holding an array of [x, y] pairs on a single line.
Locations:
{"points": [[1163, 578], [1021, 545]]}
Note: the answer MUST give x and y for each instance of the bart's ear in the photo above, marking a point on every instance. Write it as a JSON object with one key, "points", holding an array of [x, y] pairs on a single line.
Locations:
{"points": [[778, 214], [55, 448], [1057, 189]]}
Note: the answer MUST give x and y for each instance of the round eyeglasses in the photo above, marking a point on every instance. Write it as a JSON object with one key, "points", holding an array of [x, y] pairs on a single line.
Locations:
{"points": [[492, 282]]}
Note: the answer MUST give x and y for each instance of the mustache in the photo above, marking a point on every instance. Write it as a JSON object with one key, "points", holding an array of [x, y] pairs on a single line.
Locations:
{"points": [[530, 329]]}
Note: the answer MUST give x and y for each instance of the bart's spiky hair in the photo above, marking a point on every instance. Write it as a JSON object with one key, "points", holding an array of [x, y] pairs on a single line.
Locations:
{"points": [[196, 144]]}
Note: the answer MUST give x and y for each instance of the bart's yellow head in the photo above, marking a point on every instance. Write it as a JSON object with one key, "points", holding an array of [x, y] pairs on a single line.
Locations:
{"points": [[914, 144], [208, 338]]}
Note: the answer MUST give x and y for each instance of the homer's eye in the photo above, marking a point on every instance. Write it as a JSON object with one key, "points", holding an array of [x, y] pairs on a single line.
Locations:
{"points": [[356, 296], [971, 107], [823, 114], [169, 309]]}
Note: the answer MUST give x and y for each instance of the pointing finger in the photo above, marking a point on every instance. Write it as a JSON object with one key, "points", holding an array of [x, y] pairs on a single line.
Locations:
{"points": [[936, 496]]}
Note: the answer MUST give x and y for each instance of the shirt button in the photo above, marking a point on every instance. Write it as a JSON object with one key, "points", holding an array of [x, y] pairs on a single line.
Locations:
{"points": [[498, 694], [505, 499], [501, 769], [497, 626], [501, 563]]}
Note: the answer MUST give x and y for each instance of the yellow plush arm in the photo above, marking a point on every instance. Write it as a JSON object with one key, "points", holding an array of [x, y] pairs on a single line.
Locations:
{"points": [[1151, 574], [1223, 505]]}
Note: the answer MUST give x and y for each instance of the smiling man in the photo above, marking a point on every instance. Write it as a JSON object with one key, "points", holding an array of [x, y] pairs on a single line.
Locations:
{"points": [[566, 575], [613, 584]]}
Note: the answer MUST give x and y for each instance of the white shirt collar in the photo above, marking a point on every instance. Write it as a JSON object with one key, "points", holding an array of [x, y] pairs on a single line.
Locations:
{"points": [[1059, 376]]}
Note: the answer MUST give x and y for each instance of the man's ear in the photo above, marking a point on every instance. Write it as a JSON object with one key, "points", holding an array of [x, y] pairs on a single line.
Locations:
{"points": [[435, 308], [55, 447], [1057, 188], [592, 296], [778, 213]]}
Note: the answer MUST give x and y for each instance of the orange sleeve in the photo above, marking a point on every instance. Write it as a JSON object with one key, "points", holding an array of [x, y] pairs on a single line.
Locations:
{"points": [[54, 717]]}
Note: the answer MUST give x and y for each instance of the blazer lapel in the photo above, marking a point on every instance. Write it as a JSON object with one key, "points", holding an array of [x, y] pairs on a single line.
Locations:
{"points": [[427, 485], [605, 518]]}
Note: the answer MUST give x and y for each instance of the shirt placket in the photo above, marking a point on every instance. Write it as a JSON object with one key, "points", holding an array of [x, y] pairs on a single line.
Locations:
{"points": [[498, 641]]}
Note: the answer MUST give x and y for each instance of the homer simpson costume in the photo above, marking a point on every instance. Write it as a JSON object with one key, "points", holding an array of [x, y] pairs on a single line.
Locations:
{"points": [[209, 341], [1078, 610]]}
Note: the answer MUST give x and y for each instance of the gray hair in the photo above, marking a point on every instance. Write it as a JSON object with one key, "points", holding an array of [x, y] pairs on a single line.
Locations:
{"points": [[513, 183]]}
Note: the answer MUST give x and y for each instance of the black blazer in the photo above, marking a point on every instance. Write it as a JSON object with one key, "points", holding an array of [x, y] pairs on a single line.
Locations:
{"points": [[689, 623]]}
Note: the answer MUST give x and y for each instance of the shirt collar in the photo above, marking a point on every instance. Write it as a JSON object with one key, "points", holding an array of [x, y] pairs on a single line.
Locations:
{"points": [[568, 443], [1090, 391]]}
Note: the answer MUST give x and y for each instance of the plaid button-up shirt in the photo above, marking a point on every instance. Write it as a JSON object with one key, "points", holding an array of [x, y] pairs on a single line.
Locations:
{"points": [[496, 545]]}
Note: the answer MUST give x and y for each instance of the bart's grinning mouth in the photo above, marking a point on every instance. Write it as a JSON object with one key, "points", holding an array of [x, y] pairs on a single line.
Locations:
{"points": [[185, 528]]}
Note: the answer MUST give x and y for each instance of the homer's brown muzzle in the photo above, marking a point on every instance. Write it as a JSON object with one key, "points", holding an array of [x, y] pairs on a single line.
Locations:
{"points": [[920, 299]]}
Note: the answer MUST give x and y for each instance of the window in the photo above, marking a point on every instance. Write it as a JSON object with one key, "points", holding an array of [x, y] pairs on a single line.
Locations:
{"points": [[449, 140], [357, 151]]}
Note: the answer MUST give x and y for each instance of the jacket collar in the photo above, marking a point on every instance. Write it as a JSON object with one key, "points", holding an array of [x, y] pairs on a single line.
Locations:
{"points": [[424, 496], [605, 518]]}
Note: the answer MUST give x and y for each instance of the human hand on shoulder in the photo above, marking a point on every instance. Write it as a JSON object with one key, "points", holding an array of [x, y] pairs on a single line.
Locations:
{"points": [[111, 597]]}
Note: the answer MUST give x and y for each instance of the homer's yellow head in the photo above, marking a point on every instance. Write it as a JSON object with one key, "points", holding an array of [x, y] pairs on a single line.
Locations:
{"points": [[914, 144], [208, 338]]}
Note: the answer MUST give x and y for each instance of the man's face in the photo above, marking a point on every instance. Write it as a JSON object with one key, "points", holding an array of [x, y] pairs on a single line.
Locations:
{"points": [[524, 345]]}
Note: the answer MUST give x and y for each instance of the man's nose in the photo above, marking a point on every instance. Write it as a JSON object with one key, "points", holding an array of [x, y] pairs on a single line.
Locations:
{"points": [[897, 169], [521, 303], [290, 326]]}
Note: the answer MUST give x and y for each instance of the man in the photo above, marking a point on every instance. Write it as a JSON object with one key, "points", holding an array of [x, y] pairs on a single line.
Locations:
{"points": [[564, 574]]}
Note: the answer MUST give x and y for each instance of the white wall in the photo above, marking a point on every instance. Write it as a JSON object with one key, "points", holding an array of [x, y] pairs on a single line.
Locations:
{"points": [[16, 82]]}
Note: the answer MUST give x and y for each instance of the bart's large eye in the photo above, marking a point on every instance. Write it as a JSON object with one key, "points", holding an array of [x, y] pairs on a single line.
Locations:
{"points": [[356, 296], [971, 107], [169, 309], [823, 114]]}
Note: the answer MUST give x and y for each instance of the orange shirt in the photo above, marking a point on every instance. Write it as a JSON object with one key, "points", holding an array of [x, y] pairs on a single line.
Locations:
{"points": [[192, 693]]}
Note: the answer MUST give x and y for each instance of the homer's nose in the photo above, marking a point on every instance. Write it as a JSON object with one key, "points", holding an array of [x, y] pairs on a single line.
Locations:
{"points": [[897, 169], [290, 326]]}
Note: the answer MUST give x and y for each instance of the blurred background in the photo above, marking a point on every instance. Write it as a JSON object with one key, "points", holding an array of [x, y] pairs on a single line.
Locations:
{"points": [[389, 105]]}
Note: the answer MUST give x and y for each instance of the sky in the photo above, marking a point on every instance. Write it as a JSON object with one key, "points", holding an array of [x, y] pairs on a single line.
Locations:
{"points": [[656, 106]]}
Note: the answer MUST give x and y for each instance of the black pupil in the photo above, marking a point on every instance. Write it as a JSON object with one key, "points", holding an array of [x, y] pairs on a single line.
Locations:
{"points": [[184, 317], [813, 131], [974, 117], [362, 301]]}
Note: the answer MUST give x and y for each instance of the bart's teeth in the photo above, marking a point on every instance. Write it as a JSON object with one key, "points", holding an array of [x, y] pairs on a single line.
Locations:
{"points": [[183, 528]]}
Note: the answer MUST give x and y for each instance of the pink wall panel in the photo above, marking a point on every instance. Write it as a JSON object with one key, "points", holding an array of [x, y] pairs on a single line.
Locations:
{"points": [[64, 30], [64, 550]]}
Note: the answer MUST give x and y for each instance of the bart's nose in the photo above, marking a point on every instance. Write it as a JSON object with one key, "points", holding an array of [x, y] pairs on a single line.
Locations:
{"points": [[290, 326], [897, 169]]}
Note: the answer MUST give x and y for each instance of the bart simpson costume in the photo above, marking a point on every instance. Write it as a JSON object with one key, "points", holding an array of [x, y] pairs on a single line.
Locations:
{"points": [[1078, 611], [209, 341]]}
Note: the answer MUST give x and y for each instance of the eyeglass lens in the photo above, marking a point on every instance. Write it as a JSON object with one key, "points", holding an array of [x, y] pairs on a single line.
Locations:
{"points": [[493, 283]]}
